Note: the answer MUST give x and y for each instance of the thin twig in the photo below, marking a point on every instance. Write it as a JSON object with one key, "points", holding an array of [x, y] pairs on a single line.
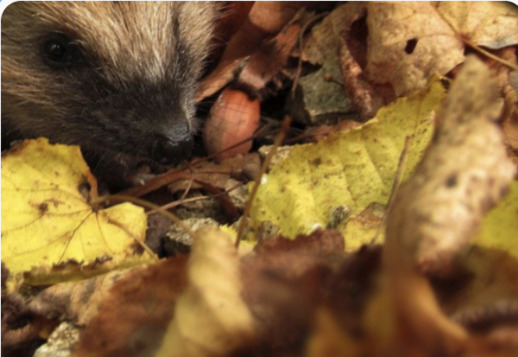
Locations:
{"points": [[505, 62], [277, 142], [147, 204], [395, 185], [300, 39]]}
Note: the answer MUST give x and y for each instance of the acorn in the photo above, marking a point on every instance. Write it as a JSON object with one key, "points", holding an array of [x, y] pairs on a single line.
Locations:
{"points": [[233, 119]]}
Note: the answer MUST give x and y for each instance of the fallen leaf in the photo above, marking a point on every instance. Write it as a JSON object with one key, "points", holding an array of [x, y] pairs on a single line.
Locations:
{"points": [[300, 192], [408, 43], [77, 301], [293, 257], [338, 45], [463, 174], [284, 281], [403, 318], [132, 318], [253, 40], [492, 24], [500, 226], [391, 49], [434, 215], [269, 59], [50, 228], [210, 317]]}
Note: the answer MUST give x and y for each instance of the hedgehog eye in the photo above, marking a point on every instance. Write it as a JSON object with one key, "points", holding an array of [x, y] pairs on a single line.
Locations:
{"points": [[59, 50]]}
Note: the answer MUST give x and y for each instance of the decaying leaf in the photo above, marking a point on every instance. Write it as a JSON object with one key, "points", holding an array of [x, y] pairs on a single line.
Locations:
{"points": [[76, 301], [133, 317], [391, 49], [284, 281], [43, 206], [300, 193], [408, 43], [492, 24]]}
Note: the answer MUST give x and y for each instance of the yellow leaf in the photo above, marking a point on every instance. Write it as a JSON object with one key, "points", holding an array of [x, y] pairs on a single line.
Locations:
{"points": [[211, 318], [499, 229], [46, 220], [300, 193]]}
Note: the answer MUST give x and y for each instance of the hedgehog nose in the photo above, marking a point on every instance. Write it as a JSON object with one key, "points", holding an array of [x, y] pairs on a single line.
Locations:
{"points": [[169, 151]]}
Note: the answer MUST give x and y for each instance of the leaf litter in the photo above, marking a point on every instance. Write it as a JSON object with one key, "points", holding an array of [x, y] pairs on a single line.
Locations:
{"points": [[322, 293]]}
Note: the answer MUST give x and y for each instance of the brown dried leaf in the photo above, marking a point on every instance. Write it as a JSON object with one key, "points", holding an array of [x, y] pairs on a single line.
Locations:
{"points": [[323, 41], [509, 80], [405, 319], [492, 24], [408, 43], [76, 302], [217, 174], [132, 320], [366, 96], [284, 280], [264, 21]]}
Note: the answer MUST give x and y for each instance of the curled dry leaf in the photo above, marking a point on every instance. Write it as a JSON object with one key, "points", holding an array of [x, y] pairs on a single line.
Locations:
{"points": [[264, 21], [465, 171], [77, 301], [210, 317], [339, 40], [133, 316], [285, 279]]}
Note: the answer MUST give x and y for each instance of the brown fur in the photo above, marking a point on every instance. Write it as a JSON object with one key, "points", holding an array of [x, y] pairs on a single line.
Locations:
{"points": [[133, 80]]}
